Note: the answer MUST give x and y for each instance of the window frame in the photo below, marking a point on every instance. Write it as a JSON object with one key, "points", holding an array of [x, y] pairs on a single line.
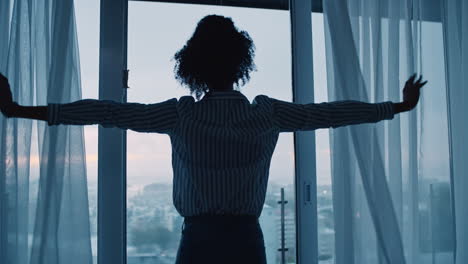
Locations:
{"points": [[112, 240], [112, 142], [304, 141]]}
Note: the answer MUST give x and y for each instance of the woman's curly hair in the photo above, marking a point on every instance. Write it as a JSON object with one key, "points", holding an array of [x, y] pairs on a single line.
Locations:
{"points": [[216, 54]]}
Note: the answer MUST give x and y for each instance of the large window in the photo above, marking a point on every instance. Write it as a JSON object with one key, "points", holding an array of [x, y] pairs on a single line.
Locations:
{"points": [[137, 166], [155, 32]]}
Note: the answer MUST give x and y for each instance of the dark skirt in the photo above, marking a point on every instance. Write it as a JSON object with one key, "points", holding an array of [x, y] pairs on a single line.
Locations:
{"points": [[221, 239]]}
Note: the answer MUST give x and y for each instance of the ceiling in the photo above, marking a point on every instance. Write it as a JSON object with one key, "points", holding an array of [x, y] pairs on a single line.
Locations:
{"points": [[429, 11], [267, 4]]}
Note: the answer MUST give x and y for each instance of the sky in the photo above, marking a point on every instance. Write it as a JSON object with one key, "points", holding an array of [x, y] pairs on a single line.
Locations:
{"points": [[155, 32]]}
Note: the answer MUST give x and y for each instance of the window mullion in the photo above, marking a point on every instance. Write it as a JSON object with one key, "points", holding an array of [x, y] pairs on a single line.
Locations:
{"points": [[304, 141], [112, 141]]}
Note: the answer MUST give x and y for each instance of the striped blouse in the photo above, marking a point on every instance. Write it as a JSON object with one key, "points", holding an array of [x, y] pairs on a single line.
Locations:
{"points": [[221, 145]]}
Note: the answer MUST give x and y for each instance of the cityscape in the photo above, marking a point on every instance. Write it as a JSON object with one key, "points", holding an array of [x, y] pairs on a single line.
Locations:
{"points": [[154, 225]]}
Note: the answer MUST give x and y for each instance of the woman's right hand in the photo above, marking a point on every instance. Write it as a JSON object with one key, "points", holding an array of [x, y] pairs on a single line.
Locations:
{"points": [[411, 94], [6, 98], [412, 91]]}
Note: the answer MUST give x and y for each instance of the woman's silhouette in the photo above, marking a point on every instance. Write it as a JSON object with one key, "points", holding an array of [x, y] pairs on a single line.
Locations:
{"points": [[222, 144]]}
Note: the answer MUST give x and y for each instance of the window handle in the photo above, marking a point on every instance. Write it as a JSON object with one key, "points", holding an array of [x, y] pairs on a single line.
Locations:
{"points": [[125, 78]]}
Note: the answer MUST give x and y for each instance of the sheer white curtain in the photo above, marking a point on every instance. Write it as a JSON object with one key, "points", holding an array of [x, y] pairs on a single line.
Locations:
{"points": [[455, 21], [39, 55], [390, 180]]}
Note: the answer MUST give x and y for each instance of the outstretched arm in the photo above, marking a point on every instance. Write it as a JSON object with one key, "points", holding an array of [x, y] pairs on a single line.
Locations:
{"points": [[293, 117], [159, 117]]}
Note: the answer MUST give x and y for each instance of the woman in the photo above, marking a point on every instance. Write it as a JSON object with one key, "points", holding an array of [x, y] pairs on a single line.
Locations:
{"points": [[222, 144]]}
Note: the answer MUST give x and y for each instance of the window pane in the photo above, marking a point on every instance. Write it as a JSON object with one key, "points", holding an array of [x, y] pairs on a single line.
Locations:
{"points": [[87, 17], [155, 32], [436, 223], [326, 229]]}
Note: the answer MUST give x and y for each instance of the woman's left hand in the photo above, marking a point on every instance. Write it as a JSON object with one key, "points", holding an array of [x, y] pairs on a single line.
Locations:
{"points": [[6, 98]]}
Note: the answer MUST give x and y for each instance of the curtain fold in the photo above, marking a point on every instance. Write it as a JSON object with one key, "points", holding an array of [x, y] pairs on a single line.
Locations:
{"points": [[390, 179], [455, 26], [15, 134], [42, 66], [358, 152]]}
